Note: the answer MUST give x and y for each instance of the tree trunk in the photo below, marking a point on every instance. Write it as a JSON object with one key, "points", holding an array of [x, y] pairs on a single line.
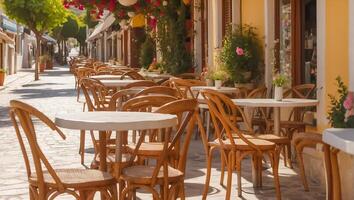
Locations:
{"points": [[59, 51], [65, 52], [38, 51]]}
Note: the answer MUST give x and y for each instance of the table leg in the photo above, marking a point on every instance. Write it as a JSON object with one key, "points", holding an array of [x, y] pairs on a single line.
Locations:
{"points": [[103, 150], [277, 121], [333, 187], [119, 146]]}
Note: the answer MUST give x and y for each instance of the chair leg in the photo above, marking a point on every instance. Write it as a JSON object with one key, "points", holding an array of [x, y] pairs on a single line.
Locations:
{"points": [[230, 166], [182, 194], [114, 192], [207, 178], [238, 171], [78, 94], [82, 146], [222, 156], [302, 168], [274, 157]]}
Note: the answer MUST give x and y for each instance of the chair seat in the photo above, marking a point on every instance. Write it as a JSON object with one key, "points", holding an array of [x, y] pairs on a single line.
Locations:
{"points": [[76, 178], [241, 145], [151, 149], [142, 174], [273, 138], [111, 157]]}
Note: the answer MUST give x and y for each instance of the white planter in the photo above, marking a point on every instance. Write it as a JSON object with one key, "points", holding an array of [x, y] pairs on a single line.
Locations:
{"points": [[278, 93], [218, 84], [209, 82]]}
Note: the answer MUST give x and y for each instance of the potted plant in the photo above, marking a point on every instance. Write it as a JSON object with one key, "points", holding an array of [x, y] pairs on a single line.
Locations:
{"points": [[42, 63], [241, 55], [49, 62], [219, 77], [279, 81], [2, 76], [341, 113]]}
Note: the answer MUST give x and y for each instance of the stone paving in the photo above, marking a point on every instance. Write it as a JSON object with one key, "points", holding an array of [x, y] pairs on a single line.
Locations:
{"points": [[55, 93]]}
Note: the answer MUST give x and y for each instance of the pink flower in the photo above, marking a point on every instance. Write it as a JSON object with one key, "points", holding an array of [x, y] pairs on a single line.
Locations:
{"points": [[239, 51], [348, 103]]}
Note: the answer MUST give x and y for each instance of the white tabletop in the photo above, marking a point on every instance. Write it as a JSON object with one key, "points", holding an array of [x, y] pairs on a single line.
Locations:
{"points": [[117, 121], [118, 83], [107, 77], [226, 90], [273, 103], [340, 138], [155, 76]]}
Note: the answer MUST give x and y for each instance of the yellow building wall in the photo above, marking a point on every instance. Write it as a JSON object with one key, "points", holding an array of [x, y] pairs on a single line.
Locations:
{"points": [[337, 46], [253, 14]]}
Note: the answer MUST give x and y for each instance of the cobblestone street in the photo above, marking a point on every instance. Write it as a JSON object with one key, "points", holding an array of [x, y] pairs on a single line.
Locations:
{"points": [[54, 93]]}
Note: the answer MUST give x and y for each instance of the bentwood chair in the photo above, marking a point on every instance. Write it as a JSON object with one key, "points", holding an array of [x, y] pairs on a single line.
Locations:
{"points": [[170, 179], [133, 75], [183, 86], [45, 182], [161, 90], [301, 141], [141, 84], [234, 149], [80, 73]]}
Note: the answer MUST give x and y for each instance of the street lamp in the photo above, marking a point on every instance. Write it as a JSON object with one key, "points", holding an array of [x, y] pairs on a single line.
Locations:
{"points": [[127, 2]]}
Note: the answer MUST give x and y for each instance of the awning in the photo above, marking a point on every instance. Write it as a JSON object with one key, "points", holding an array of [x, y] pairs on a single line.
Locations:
{"points": [[49, 39], [6, 38], [107, 22]]}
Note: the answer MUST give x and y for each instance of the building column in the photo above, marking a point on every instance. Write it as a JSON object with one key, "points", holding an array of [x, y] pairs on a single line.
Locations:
{"points": [[351, 45], [321, 64], [269, 16], [197, 50], [215, 31], [236, 12]]}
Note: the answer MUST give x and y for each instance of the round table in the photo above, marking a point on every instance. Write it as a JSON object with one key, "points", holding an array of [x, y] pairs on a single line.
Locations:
{"points": [[118, 83], [107, 77], [224, 90], [114, 121], [285, 103], [155, 76]]}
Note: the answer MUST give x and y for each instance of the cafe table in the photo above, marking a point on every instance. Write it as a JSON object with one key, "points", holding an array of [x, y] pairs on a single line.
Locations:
{"points": [[335, 140], [155, 76], [107, 77], [118, 83], [276, 105], [114, 121]]}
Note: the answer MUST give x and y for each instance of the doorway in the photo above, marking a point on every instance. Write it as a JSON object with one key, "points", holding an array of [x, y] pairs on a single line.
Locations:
{"points": [[296, 30]]}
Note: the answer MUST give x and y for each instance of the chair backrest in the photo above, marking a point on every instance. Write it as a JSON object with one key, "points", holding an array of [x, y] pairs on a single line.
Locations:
{"points": [[302, 91], [147, 103], [159, 90], [117, 72], [258, 93], [185, 108], [223, 111], [142, 83], [21, 114], [133, 75], [183, 86], [95, 93], [191, 76]]}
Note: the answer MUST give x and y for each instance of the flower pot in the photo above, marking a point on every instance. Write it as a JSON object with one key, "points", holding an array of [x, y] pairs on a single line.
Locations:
{"points": [[41, 67], [218, 84], [278, 93], [49, 64], [209, 82], [2, 78]]}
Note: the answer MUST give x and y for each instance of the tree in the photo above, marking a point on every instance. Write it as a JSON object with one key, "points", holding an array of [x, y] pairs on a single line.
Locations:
{"points": [[39, 16], [81, 38]]}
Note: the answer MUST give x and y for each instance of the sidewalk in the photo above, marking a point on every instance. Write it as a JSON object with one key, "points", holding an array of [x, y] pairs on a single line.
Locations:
{"points": [[22, 77]]}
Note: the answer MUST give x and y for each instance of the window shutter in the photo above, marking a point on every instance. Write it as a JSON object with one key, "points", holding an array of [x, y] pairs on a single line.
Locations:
{"points": [[226, 15]]}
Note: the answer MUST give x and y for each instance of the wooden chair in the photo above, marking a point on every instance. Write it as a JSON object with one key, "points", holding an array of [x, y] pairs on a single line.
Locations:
{"points": [[44, 181], [159, 90], [300, 141], [141, 84], [133, 75], [183, 86], [170, 179], [191, 76], [236, 148], [79, 74]]}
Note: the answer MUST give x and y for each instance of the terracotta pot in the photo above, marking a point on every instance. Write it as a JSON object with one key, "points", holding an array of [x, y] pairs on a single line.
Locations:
{"points": [[49, 64], [41, 67], [2, 78]]}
